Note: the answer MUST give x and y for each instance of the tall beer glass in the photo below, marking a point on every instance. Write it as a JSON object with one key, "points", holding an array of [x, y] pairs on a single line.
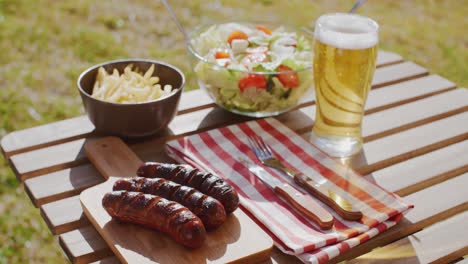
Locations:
{"points": [[345, 51]]}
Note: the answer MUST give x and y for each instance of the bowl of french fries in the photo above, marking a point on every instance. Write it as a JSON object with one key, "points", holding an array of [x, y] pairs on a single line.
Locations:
{"points": [[131, 97]]}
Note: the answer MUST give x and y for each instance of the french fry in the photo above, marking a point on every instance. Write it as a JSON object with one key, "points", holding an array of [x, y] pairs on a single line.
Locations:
{"points": [[129, 87]]}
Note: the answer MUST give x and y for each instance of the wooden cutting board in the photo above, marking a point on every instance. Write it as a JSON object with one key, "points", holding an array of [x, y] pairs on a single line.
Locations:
{"points": [[239, 239]]}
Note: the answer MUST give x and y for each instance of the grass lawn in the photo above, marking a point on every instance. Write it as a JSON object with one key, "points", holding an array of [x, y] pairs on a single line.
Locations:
{"points": [[46, 44]]}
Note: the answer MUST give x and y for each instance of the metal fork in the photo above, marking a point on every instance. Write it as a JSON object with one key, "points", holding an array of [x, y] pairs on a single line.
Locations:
{"points": [[266, 156]]}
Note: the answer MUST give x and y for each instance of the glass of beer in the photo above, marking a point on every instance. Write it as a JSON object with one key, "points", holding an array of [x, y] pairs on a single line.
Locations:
{"points": [[345, 52]]}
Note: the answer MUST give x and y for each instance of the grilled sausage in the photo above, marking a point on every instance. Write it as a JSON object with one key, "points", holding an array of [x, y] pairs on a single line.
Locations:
{"points": [[157, 213], [208, 209], [206, 183]]}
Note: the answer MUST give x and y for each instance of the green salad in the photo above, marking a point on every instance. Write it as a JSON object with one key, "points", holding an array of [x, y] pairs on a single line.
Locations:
{"points": [[252, 68]]}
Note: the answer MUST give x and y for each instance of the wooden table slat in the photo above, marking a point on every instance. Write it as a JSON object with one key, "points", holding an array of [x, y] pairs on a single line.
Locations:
{"points": [[40, 161], [84, 245], [443, 242], [428, 209], [64, 215], [414, 142], [407, 91], [423, 171], [61, 184], [108, 260], [385, 58], [430, 201], [36, 137], [415, 113], [399, 252], [187, 104], [405, 71], [278, 257]]}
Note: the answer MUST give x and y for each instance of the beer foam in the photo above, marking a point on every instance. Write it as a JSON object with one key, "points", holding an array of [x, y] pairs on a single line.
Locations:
{"points": [[346, 31]]}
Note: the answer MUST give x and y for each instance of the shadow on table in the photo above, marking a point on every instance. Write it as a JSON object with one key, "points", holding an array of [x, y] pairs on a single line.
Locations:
{"points": [[399, 252], [218, 117], [164, 133], [139, 145], [356, 161], [359, 164], [154, 247]]}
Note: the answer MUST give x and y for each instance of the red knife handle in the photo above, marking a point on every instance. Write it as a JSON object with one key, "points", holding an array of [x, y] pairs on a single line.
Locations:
{"points": [[306, 205], [322, 194]]}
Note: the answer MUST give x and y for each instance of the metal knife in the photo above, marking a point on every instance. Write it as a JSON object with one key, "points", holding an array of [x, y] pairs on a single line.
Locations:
{"points": [[330, 198], [302, 203]]}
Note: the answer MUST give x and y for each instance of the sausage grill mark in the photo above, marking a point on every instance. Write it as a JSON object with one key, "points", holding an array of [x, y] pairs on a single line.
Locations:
{"points": [[208, 209], [206, 183], [157, 213]]}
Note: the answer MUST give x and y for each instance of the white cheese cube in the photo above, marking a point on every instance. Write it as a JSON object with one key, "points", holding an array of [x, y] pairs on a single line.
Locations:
{"points": [[239, 45]]}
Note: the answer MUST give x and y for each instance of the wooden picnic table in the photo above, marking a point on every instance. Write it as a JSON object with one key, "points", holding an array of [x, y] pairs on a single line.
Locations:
{"points": [[415, 132]]}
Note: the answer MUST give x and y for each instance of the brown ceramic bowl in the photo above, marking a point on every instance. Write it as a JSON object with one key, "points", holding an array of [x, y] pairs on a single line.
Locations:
{"points": [[132, 120]]}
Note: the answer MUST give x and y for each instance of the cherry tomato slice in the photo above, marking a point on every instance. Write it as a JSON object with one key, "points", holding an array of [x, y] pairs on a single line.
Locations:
{"points": [[221, 55], [264, 29], [253, 80], [289, 79], [237, 35]]}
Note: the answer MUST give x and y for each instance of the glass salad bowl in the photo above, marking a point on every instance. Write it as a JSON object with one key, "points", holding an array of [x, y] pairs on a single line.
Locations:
{"points": [[253, 69]]}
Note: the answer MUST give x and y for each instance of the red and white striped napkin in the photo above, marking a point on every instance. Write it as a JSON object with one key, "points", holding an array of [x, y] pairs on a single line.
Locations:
{"points": [[218, 151]]}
